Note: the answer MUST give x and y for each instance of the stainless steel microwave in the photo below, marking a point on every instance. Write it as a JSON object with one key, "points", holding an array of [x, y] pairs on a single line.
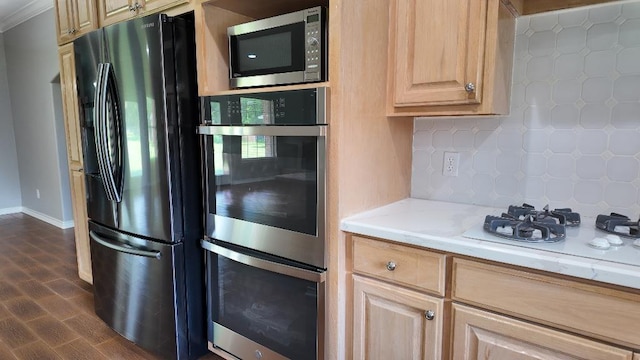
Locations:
{"points": [[285, 49]]}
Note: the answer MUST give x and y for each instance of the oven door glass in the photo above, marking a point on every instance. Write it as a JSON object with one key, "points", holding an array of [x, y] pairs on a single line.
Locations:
{"points": [[263, 304], [268, 180], [271, 51]]}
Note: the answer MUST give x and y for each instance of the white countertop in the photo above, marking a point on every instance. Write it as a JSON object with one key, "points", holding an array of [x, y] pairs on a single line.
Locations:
{"points": [[441, 225]]}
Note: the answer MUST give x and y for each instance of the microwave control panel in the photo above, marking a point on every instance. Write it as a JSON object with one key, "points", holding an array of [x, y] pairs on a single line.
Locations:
{"points": [[314, 44]]}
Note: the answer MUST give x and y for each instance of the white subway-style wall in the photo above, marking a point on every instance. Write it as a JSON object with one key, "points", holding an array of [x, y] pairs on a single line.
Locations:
{"points": [[572, 138]]}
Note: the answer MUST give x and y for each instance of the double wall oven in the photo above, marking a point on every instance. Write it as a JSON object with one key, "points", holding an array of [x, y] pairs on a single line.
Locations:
{"points": [[265, 177]]}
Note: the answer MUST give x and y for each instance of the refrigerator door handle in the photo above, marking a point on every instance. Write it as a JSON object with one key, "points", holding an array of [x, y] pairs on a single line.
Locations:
{"points": [[117, 246], [109, 154]]}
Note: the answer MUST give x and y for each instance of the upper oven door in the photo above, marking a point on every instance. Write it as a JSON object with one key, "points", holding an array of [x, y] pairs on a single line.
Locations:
{"points": [[266, 188]]}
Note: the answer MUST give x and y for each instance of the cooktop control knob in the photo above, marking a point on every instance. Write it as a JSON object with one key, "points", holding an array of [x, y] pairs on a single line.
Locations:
{"points": [[614, 240], [600, 243]]}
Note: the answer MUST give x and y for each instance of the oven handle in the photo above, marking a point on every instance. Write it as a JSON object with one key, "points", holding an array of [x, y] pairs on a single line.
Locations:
{"points": [[264, 264], [300, 130]]}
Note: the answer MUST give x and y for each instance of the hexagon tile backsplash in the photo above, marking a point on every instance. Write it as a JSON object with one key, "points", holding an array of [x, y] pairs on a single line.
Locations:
{"points": [[573, 136]]}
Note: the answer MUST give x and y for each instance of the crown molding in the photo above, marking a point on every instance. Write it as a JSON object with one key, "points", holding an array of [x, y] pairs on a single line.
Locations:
{"points": [[26, 12]]}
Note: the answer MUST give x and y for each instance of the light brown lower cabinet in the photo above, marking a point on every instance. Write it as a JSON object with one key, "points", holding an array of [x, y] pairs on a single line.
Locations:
{"points": [[392, 322], [636, 356], [81, 230], [479, 334]]}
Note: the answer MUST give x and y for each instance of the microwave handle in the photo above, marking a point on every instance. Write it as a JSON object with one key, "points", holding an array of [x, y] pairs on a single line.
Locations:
{"points": [[264, 264], [313, 130]]}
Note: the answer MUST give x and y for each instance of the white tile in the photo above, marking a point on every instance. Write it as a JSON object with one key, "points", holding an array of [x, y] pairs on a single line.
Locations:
{"points": [[484, 162], [422, 124], [626, 116], [537, 117], [594, 116], [522, 24], [565, 116], [629, 61], [558, 190], [545, 21], [540, 68], [535, 141], [627, 88], [542, 43], [592, 142], [574, 17], [521, 47], [603, 14], [568, 66], [566, 91], [572, 40], [630, 33], [508, 162], [422, 140], [517, 96], [463, 123], [597, 89], [463, 139], [624, 142], [486, 140], [442, 139], [538, 93], [510, 140], [600, 63], [507, 185], [590, 167], [534, 165], [561, 166], [631, 10], [620, 194], [602, 36], [519, 71], [588, 192], [534, 188], [562, 141], [622, 168]]}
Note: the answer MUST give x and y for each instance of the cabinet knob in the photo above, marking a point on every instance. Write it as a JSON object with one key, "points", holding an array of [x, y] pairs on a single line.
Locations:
{"points": [[391, 266], [135, 7], [429, 314], [470, 87]]}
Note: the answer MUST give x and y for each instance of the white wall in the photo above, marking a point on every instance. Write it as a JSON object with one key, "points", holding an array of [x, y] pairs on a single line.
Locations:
{"points": [[573, 136], [32, 64], [10, 199]]}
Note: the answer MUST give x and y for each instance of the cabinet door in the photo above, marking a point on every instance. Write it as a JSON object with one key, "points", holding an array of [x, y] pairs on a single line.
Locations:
{"points": [[74, 154], [479, 334], [80, 220], [85, 16], [390, 322], [113, 11], [152, 5], [64, 20], [636, 356], [437, 48]]}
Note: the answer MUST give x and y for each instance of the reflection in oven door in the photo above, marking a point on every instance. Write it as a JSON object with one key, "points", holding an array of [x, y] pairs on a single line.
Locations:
{"points": [[257, 305]]}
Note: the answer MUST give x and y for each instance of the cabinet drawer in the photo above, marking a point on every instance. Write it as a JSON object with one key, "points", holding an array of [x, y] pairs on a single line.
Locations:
{"points": [[608, 314], [401, 264]]}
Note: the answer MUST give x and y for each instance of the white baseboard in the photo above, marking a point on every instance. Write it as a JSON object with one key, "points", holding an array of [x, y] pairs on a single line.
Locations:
{"points": [[13, 210], [48, 219]]}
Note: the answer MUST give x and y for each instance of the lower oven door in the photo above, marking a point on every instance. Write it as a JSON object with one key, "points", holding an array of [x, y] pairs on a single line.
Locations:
{"points": [[263, 309]]}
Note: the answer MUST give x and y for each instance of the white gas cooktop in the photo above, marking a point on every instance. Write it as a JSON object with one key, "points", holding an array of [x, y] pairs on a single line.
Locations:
{"points": [[576, 243]]}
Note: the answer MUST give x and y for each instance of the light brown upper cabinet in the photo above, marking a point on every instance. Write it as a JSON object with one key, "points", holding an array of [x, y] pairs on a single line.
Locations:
{"points": [[113, 11], [449, 57], [74, 18]]}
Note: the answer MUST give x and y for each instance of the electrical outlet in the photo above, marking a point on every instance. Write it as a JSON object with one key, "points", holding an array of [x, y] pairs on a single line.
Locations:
{"points": [[451, 163], [38, 193]]}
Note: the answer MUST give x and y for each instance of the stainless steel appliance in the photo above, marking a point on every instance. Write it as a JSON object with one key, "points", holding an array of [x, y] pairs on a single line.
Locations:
{"points": [[285, 49], [265, 172], [265, 222], [139, 111]]}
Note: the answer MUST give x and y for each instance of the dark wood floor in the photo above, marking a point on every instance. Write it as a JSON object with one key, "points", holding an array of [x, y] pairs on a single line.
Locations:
{"points": [[46, 311]]}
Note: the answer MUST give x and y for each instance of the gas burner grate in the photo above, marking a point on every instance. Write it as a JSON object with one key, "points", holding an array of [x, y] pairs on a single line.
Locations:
{"points": [[619, 224], [564, 216], [525, 230]]}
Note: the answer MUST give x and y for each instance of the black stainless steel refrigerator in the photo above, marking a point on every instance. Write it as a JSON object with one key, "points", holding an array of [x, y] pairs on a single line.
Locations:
{"points": [[139, 111]]}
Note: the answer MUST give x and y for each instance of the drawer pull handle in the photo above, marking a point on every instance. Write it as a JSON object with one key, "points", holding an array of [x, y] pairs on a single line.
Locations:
{"points": [[429, 314], [391, 266]]}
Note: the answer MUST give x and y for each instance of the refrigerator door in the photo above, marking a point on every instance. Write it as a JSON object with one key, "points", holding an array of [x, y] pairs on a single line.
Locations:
{"points": [[139, 289], [136, 188]]}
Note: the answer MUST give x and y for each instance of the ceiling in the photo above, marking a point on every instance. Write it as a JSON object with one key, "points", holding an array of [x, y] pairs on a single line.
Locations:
{"points": [[14, 12]]}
